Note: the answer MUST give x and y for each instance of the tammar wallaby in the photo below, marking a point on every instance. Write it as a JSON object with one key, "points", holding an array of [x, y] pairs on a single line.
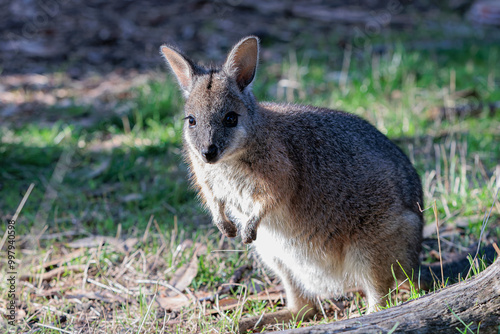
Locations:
{"points": [[327, 201]]}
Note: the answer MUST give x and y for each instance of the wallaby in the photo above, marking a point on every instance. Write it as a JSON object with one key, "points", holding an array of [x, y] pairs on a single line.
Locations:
{"points": [[327, 201]]}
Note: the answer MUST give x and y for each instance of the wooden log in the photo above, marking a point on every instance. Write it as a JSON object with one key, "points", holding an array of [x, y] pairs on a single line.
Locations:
{"points": [[475, 302]]}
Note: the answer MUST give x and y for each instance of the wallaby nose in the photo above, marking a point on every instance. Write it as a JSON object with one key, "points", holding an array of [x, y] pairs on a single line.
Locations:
{"points": [[210, 153]]}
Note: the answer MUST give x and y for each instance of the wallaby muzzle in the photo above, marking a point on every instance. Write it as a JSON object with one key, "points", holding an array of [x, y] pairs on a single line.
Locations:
{"points": [[210, 154]]}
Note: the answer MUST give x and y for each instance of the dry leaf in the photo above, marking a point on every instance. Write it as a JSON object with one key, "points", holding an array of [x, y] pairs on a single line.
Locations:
{"points": [[105, 296], [185, 274], [175, 303]]}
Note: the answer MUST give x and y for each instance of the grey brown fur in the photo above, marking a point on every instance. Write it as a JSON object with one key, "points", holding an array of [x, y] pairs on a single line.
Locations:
{"points": [[326, 200]]}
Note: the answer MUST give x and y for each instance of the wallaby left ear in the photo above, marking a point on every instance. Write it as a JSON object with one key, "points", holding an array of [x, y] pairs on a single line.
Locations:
{"points": [[242, 61]]}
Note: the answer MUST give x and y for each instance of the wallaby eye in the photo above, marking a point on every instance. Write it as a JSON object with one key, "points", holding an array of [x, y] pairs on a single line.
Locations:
{"points": [[231, 119], [191, 120]]}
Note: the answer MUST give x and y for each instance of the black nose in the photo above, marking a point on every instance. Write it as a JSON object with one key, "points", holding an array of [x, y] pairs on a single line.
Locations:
{"points": [[210, 154]]}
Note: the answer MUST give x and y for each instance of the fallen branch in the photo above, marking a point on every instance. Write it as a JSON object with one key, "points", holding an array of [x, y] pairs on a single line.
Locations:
{"points": [[469, 305]]}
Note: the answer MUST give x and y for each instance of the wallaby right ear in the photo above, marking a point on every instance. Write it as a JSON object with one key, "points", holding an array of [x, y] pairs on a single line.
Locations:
{"points": [[182, 67], [242, 61]]}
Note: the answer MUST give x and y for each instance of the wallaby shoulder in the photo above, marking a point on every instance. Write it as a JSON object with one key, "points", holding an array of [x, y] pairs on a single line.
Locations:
{"points": [[315, 126]]}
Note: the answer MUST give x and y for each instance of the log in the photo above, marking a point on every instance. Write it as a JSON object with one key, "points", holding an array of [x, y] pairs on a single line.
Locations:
{"points": [[475, 302]]}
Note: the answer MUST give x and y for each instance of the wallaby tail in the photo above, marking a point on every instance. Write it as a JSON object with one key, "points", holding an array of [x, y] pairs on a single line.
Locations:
{"points": [[454, 268]]}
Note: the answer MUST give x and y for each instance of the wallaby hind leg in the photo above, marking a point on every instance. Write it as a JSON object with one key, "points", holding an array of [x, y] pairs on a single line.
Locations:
{"points": [[378, 295], [300, 305], [394, 262]]}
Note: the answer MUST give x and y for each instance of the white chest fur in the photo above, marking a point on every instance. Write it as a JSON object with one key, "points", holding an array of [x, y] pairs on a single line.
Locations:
{"points": [[230, 186]]}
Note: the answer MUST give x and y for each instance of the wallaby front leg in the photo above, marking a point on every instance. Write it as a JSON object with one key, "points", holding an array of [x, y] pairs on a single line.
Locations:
{"points": [[249, 232], [225, 226], [217, 209]]}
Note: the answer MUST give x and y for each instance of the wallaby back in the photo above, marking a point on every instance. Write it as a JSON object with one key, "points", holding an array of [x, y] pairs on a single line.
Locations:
{"points": [[327, 201]]}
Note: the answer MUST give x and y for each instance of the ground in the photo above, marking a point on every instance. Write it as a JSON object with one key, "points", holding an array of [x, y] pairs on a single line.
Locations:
{"points": [[112, 239]]}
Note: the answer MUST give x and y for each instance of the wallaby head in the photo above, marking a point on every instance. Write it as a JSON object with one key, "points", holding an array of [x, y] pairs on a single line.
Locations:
{"points": [[220, 106]]}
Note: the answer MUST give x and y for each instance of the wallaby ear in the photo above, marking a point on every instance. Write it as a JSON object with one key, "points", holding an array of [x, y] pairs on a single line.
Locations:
{"points": [[182, 67], [242, 61]]}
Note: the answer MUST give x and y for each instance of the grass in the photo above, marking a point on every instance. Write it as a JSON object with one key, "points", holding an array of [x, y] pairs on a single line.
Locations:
{"points": [[123, 176]]}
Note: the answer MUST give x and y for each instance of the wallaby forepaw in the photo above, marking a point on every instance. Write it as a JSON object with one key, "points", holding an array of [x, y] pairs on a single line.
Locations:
{"points": [[249, 235], [227, 228]]}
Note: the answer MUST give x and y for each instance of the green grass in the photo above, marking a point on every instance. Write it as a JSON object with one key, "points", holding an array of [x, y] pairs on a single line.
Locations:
{"points": [[117, 173]]}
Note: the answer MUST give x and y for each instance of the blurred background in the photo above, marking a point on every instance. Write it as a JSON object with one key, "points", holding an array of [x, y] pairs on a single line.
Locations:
{"points": [[90, 116], [80, 37]]}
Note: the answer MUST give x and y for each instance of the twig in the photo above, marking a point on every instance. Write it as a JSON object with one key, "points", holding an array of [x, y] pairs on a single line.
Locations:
{"points": [[51, 274], [227, 250], [145, 236], [2, 242], [95, 311], [86, 273], [119, 286], [147, 313], [54, 328], [18, 211], [496, 248], [23, 201], [50, 308], [344, 74], [157, 256], [104, 286], [164, 322], [322, 309], [483, 227], [162, 238], [452, 244], [397, 287], [165, 284], [194, 298], [118, 231], [439, 243], [60, 261], [222, 314], [485, 222], [64, 234], [260, 319]]}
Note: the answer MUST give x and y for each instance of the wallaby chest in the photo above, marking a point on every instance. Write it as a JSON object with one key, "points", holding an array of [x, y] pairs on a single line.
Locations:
{"points": [[230, 186]]}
